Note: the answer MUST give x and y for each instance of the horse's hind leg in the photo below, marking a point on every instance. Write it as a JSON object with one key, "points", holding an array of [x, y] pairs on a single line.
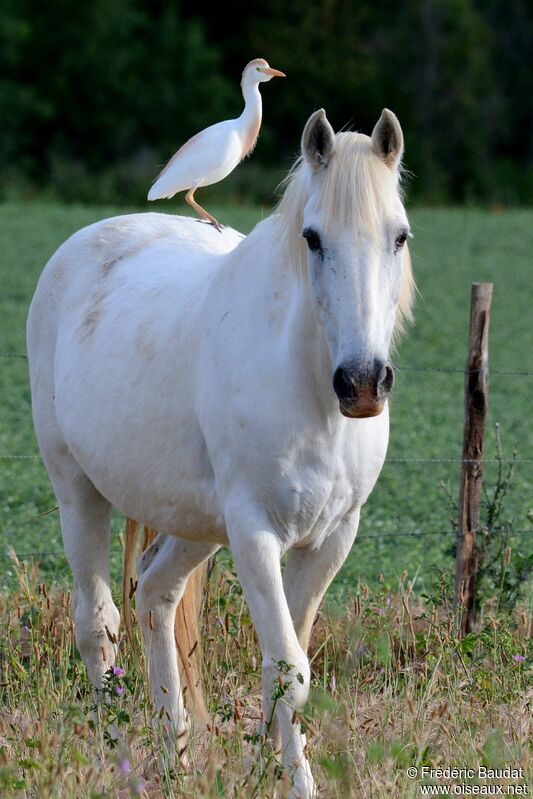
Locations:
{"points": [[84, 513], [163, 572], [85, 524]]}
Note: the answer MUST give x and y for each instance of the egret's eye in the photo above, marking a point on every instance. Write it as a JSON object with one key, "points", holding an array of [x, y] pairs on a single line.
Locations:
{"points": [[313, 240], [400, 241], [258, 69]]}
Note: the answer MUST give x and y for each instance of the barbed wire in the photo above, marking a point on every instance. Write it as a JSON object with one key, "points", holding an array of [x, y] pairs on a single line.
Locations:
{"points": [[422, 533], [503, 461], [455, 370], [445, 369], [4, 457], [360, 538], [32, 555], [375, 536]]}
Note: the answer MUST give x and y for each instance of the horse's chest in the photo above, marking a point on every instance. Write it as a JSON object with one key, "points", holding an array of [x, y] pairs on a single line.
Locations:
{"points": [[309, 503]]}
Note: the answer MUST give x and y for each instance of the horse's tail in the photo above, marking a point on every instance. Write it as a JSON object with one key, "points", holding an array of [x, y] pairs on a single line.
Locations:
{"points": [[129, 583], [188, 643], [186, 626]]}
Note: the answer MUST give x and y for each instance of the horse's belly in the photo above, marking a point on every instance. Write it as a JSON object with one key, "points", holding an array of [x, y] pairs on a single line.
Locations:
{"points": [[190, 515], [167, 491], [130, 425]]}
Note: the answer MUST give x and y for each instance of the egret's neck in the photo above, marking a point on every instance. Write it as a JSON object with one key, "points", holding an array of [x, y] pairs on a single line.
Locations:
{"points": [[250, 119], [253, 105]]}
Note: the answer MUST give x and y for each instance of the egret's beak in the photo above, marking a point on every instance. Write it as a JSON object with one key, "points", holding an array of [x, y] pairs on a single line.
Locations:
{"points": [[276, 73]]}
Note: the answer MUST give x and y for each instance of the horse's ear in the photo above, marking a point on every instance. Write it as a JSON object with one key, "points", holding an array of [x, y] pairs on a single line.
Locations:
{"points": [[387, 139], [318, 140]]}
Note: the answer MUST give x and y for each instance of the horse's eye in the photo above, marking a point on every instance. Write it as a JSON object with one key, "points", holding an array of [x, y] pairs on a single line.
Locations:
{"points": [[313, 239], [400, 241]]}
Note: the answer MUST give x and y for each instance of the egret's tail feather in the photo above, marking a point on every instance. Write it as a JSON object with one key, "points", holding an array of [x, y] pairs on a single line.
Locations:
{"points": [[158, 194]]}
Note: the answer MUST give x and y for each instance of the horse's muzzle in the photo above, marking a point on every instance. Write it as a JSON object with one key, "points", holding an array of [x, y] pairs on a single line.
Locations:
{"points": [[363, 390]]}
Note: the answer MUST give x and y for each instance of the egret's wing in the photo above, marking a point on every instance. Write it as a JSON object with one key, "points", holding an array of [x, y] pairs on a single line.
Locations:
{"points": [[182, 150], [199, 160]]}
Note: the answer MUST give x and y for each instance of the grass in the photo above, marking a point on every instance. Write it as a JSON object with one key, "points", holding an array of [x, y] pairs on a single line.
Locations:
{"points": [[392, 686], [392, 689], [451, 249]]}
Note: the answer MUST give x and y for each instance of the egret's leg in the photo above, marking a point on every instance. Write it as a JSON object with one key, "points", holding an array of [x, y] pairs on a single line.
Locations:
{"points": [[163, 572], [309, 572], [256, 552], [189, 197]]}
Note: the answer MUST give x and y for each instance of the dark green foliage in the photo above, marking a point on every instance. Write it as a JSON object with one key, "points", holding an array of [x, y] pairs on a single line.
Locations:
{"points": [[93, 85], [95, 96]]}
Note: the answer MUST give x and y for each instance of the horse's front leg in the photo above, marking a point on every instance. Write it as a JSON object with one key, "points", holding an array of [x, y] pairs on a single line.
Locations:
{"points": [[309, 572], [256, 551], [163, 572]]}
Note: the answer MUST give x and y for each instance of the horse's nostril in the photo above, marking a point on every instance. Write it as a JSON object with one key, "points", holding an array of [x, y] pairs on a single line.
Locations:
{"points": [[385, 381], [352, 384], [342, 385]]}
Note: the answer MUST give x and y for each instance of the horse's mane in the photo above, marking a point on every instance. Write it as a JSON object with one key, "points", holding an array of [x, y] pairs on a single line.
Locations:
{"points": [[357, 189]]}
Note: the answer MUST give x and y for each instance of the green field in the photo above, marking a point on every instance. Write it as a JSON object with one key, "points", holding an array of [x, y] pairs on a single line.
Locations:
{"points": [[451, 249]]}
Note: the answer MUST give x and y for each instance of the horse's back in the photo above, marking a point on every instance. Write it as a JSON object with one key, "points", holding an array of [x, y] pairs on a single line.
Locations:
{"points": [[92, 253], [103, 278], [112, 333]]}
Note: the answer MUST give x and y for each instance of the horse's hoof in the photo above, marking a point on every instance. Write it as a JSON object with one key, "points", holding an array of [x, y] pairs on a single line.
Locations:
{"points": [[303, 785]]}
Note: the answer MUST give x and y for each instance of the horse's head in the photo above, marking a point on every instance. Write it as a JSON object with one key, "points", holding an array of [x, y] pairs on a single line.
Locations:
{"points": [[355, 230]]}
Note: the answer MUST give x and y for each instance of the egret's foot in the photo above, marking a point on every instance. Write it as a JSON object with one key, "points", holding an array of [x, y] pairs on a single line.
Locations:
{"points": [[212, 222]]}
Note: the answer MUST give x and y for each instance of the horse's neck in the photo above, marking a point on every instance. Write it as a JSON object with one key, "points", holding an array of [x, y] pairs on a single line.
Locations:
{"points": [[264, 266]]}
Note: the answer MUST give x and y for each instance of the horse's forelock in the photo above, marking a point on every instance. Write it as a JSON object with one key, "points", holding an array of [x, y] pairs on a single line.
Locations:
{"points": [[356, 189]]}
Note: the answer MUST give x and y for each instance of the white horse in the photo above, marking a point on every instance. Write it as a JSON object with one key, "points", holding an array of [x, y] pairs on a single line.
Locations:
{"points": [[226, 391]]}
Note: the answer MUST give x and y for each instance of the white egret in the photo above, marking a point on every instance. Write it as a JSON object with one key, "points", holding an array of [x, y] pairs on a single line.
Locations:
{"points": [[215, 152]]}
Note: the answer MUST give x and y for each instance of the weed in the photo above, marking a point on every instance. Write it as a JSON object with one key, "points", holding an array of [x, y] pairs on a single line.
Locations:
{"points": [[391, 687]]}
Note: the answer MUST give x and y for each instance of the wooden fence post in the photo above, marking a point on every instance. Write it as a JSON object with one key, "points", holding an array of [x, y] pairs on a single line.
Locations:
{"points": [[476, 403]]}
